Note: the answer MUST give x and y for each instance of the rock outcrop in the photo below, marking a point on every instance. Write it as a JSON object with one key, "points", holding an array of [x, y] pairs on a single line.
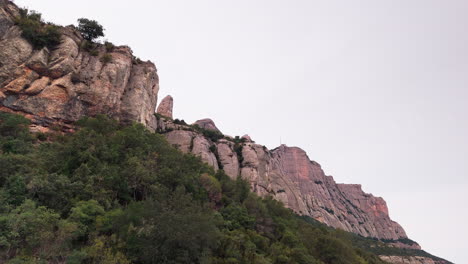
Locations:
{"points": [[288, 175], [165, 106], [411, 260], [207, 124], [61, 85], [66, 83]]}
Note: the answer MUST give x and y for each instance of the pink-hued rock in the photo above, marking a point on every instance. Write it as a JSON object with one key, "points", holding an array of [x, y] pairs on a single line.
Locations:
{"points": [[246, 138], [165, 107], [207, 124], [181, 139], [341, 206], [67, 83], [201, 147], [287, 174], [228, 158], [410, 260], [190, 142]]}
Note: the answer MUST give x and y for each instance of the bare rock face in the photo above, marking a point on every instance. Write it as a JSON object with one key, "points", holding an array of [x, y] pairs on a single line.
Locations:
{"points": [[410, 260], [341, 206], [67, 83], [288, 175], [181, 139], [202, 148], [165, 107], [228, 158], [190, 142], [207, 124]]}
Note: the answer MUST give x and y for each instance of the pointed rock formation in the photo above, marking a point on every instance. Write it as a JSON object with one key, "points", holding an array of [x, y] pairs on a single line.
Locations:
{"points": [[165, 107]]}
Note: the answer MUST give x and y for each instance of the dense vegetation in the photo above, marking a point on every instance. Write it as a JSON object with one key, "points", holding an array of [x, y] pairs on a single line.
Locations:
{"points": [[36, 31], [121, 194]]}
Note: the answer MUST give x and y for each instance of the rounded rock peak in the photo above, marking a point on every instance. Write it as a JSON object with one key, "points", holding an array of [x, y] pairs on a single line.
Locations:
{"points": [[247, 138], [165, 106], [207, 123]]}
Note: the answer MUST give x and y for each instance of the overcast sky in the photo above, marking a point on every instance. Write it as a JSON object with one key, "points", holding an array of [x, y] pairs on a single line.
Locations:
{"points": [[375, 91]]}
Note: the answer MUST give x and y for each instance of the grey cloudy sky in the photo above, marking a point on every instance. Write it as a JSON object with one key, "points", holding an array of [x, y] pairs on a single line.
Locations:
{"points": [[375, 91]]}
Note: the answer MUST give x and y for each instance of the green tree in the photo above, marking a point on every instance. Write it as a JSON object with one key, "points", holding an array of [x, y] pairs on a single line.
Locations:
{"points": [[90, 29]]}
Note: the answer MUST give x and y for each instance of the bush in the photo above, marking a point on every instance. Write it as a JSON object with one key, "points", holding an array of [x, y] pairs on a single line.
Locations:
{"points": [[90, 29], [109, 46], [94, 53], [36, 31], [106, 58]]}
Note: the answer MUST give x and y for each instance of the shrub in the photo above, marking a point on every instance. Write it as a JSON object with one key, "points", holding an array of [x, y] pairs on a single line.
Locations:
{"points": [[38, 33], [90, 29], [94, 53], [106, 58], [109, 46], [180, 122]]}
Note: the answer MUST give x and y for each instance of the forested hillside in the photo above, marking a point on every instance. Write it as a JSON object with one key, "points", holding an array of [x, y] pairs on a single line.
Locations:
{"points": [[120, 194]]}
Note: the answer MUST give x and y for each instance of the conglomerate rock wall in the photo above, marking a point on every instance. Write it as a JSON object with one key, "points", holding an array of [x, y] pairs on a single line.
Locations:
{"points": [[63, 84], [287, 174]]}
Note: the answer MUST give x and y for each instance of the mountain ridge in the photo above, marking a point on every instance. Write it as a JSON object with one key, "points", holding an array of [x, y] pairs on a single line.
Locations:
{"points": [[55, 87]]}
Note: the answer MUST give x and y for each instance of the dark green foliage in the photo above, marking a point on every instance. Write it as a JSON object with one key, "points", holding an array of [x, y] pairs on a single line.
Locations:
{"points": [[121, 194], [106, 58], [208, 133], [94, 53], [179, 122], [109, 46], [36, 31], [90, 29], [14, 134], [238, 149], [88, 46]]}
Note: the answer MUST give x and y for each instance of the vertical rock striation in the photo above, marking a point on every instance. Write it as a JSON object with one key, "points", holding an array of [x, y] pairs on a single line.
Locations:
{"points": [[288, 175], [66, 83]]}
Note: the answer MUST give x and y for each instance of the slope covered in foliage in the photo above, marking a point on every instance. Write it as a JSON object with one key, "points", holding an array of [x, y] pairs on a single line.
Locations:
{"points": [[121, 194]]}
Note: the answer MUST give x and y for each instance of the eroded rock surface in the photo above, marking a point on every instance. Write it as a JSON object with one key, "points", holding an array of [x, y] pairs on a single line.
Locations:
{"points": [[410, 260], [165, 107], [64, 84], [228, 158], [207, 124], [287, 174]]}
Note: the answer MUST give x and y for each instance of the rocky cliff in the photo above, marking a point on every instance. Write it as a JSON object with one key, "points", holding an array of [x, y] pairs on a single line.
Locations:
{"points": [[63, 84], [287, 174], [411, 260], [58, 86]]}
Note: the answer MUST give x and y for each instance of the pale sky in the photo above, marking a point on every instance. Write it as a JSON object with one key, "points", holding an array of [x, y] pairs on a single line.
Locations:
{"points": [[375, 91]]}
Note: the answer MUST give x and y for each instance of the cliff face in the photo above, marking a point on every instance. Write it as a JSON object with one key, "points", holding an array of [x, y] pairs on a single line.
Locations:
{"points": [[287, 174], [66, 83], [411, 260], [62, 85]]}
